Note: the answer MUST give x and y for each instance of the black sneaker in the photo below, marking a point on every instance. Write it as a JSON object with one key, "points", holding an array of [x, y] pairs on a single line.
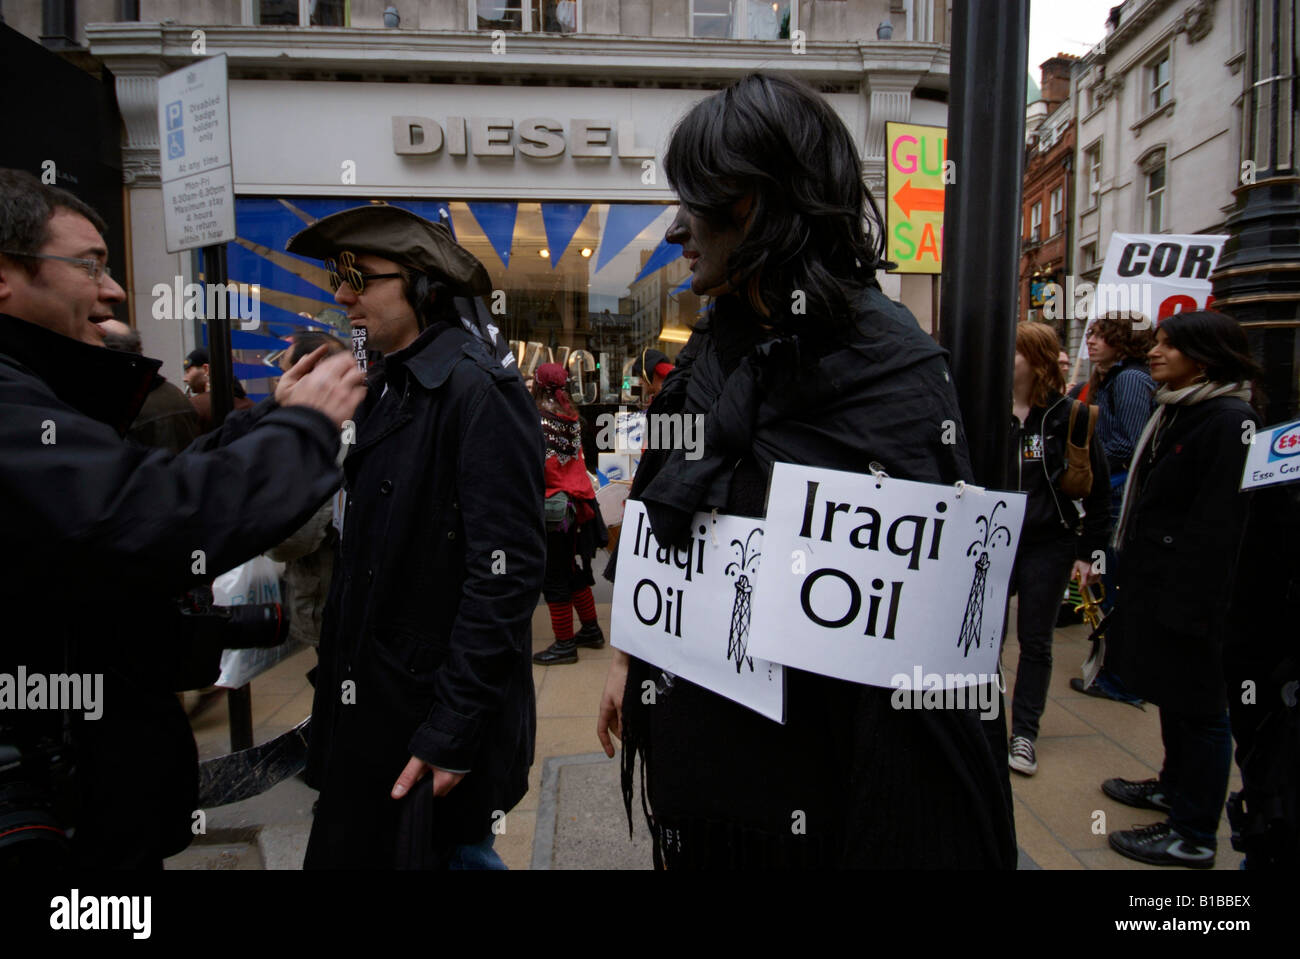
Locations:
{"points": [[557, 654], [590, 636], [1159, 845], [1144, 794], [1021, 756]]}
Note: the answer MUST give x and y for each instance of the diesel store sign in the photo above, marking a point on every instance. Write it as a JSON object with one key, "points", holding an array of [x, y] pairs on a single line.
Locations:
{"points": [[537, 137]]}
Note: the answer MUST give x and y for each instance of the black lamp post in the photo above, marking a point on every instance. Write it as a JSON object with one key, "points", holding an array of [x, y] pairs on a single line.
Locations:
{"points": [[1258, 276]]}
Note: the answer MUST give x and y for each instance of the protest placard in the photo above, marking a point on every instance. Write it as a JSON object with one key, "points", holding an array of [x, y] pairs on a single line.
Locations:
{"points": [[687, 609], [1274, 457], [884, 581]]}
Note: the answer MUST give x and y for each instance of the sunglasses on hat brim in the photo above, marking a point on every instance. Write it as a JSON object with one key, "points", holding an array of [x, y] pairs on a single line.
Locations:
{"points": [[344, 270]]}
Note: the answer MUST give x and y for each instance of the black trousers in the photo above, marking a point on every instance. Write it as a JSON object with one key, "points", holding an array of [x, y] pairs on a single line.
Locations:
{"points": [[1041, 573]]}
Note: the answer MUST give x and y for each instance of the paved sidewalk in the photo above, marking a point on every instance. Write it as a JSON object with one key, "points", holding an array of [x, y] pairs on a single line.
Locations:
{"points": [[572, 816]]}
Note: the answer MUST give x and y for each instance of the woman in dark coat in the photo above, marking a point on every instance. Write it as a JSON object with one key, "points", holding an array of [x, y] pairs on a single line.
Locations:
{"points": [[801, 359], [1178, 535]]}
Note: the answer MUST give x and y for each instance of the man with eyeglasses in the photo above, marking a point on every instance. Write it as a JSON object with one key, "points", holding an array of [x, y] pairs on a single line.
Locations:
{"points": [[100, 537], [424, 718]]}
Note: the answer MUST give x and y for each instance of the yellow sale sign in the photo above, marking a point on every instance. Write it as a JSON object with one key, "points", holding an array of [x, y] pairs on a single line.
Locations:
{"points": [[916, 168]]}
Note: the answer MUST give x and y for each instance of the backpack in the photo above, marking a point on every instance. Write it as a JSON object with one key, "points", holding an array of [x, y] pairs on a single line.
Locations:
{"points": [[1076, 480]]}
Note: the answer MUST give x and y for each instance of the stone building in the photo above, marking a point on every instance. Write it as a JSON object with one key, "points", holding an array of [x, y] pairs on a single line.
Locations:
{"points": [[1159, 125], [1048, 186], [339, 102]]}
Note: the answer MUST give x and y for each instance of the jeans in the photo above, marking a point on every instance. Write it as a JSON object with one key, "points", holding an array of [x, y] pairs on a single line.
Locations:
{"points": [[1041, 573], [479, 855], [1198, 759]]}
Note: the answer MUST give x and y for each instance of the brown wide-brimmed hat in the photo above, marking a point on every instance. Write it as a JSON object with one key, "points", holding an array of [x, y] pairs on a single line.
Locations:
{"points": [[398, 235]]}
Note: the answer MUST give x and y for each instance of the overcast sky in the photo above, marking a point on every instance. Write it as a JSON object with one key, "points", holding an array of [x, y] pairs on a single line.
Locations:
{"points": [[1064, 26]]}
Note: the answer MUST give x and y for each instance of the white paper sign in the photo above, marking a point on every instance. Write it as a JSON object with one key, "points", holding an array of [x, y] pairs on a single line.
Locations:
{"points": [[194, 143], [884, 582], [1274, 457], [1155, 274], [689, 610]]}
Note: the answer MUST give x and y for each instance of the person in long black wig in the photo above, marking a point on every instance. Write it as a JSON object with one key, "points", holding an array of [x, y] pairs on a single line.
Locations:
{"points": [[801, 358]]}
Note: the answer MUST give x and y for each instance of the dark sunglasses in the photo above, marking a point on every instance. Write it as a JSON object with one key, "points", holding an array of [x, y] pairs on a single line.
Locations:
{"points": [[344, 270]]}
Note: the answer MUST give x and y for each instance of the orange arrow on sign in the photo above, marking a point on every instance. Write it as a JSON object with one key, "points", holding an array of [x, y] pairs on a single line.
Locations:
{"points": [[910, 198]]}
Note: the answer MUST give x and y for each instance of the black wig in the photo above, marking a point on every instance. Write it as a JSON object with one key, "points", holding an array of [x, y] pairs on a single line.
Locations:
{"points": [[815, 226]]}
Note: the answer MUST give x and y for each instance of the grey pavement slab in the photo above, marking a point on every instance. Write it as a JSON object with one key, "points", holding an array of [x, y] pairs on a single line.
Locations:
{"points": [[581, 823]]}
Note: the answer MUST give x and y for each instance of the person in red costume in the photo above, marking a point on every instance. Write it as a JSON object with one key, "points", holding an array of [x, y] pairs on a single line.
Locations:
{"points": [[574, 530]]}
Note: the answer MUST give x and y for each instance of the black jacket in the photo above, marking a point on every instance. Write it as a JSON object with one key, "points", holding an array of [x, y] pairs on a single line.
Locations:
{"points": [[1049, 512], [100, 535], [1179, 558], [167, 419], [430, 610], [881, 787]]}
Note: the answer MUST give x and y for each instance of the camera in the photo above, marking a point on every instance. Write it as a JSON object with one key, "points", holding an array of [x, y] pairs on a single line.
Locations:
{"points": [[207, 629], [251, 626], [35, 798]]}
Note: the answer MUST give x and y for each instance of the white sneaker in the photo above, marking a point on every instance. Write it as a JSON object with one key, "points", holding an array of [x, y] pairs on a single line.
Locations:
{"points": [[1021, 757]]}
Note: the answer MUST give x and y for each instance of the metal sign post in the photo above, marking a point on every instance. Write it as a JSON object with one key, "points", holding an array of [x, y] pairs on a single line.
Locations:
{"points": [[199, 211]]}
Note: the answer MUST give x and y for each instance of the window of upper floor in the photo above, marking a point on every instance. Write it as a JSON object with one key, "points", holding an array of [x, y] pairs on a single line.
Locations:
{"points": [[297, 13], [1158, 81], [1092, 169], [744, 19], [526, 16], [1057, 222], [1156, 203]]}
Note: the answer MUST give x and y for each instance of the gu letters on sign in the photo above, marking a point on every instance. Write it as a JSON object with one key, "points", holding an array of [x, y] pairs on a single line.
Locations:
{"points": [[687, 609], [901, 576]]}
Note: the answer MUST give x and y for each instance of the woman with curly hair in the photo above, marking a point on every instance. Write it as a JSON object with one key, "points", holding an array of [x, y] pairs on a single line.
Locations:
{"points": [[802, 359], [1121, 388]]}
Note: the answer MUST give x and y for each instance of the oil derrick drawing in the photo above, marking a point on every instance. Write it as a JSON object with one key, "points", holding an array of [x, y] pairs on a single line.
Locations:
{"points": [[743, 565], [972, 624]]}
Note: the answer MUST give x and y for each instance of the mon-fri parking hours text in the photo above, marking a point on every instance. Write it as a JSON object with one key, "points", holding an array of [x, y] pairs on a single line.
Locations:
{"points": [[194, 142]]}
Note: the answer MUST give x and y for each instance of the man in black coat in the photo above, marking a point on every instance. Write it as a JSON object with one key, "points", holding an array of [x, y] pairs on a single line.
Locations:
{"points": [[100, 536], [424, 653]]}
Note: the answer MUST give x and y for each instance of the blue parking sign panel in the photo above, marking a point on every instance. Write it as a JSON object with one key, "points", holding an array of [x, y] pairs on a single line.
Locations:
{"points": [[175, 144], [175, 115]]}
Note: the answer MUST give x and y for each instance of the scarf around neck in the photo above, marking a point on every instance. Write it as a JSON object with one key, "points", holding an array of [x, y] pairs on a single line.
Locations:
{"points": [[1165, 397]]}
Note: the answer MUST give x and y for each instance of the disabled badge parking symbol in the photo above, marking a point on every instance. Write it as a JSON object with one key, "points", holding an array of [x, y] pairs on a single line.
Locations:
{"points": [[175, 144]]}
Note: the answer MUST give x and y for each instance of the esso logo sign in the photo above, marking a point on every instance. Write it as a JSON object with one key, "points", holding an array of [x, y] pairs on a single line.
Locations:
{"points": [[1287, 443]]}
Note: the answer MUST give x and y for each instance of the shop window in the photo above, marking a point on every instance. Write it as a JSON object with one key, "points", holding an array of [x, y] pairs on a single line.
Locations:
{"points": [[588, 285], [537, 16], [743, 19]]}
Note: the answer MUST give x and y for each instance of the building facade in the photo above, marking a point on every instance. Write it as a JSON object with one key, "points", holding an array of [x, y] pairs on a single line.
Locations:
{"points": [[1048, 187], [1159, 125], [535, 127]]}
